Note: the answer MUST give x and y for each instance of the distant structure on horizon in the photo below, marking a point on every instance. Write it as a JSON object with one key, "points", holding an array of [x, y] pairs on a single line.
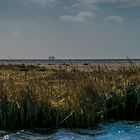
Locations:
{"points": [[51, 58]]}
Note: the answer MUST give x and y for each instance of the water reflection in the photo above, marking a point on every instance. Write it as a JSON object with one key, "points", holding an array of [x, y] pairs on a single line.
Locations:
{"points": [[116, 131]]}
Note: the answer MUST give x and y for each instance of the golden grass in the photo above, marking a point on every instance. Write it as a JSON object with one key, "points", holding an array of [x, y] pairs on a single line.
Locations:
{"points": [[37, 97]]}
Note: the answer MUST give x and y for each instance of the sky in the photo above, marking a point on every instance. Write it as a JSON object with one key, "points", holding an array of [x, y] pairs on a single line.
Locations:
{"points": [[69, 29]]}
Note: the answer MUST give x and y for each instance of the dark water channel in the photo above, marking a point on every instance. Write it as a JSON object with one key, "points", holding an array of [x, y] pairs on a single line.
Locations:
{"points": [[113, 131]]}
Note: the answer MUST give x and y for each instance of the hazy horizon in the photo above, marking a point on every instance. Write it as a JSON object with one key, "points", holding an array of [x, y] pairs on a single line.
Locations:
{"points": [[69, 29]]}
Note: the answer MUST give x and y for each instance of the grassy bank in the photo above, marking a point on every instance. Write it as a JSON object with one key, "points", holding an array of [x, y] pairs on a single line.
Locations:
{"points": [[37, 97]]}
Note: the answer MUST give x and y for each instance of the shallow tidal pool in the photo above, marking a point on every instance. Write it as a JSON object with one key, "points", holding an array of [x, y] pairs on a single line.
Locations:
{"points": [[114, 131]]}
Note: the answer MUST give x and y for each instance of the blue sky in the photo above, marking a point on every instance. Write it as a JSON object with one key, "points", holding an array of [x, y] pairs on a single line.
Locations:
{"points": [[69, 28]]}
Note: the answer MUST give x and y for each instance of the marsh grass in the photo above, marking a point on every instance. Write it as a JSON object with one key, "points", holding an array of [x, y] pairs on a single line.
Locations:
{"points": [[37, 97]]}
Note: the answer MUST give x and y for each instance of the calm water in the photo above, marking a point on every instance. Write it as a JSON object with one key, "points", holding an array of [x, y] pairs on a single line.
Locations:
{"points": [[116, 131]]}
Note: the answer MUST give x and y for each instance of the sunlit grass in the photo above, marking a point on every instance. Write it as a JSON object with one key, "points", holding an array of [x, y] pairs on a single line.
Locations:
{"points": [[39, 97]]}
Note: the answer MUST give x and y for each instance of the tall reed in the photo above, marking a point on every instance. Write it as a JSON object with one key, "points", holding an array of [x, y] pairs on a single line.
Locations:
{"points": [[33, 96]]}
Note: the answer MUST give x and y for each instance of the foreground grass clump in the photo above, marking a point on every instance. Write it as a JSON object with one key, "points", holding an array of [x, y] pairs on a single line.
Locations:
{"points": [[36, 97]]}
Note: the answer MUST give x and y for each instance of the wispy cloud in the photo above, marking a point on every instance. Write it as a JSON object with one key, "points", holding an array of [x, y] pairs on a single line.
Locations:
{"points": [[86, 3], [17, 32], [117, 19], [127, 2], [81, 17], [81, 5], [40, 2]]}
